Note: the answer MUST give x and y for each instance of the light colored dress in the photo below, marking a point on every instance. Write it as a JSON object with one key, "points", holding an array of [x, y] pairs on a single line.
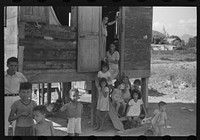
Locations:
{"points": [[103, 102], [127, 94], [134, 107], [114, 68], [104, 75]]}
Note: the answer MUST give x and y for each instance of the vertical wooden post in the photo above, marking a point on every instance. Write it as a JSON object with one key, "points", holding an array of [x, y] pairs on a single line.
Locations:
{"points": [[144, 89], [38, 95], [42, 91], [48, 93], [93, 103], [66, 86]]}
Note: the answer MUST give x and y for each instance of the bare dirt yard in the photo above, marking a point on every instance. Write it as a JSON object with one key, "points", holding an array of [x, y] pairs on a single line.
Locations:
{"points": [[179, 93]]}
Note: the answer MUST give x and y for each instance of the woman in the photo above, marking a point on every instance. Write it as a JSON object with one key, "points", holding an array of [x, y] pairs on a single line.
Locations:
{"points": [[105, 23], [112, 57]]}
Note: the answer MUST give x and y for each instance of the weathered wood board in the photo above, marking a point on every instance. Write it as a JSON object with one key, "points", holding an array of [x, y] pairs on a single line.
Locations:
{"points": [[115, 119]]}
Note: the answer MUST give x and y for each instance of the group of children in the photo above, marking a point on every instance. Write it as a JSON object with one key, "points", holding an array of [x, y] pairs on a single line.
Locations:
{"points": [[31, 119], [25, 110], [128, 97]]}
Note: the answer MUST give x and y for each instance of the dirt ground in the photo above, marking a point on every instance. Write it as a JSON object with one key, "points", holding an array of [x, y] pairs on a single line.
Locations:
{"points": [[181, 101]]}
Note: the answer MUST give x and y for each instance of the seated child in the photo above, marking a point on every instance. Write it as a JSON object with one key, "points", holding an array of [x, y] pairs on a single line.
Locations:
{"points": [[42, 126], [21, 111], [136, 85], [159, 119], [74, 111], [127, 88], [135, 106], [117, 98]]}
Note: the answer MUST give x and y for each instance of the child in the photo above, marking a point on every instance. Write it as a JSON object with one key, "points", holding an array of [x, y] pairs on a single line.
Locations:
{"points": [[137, 84], [117, 97], [104, 73], [21, 111], [74, 111], [102, 104], [159, 119], [43, 127], [127, 88], [135, 106]]}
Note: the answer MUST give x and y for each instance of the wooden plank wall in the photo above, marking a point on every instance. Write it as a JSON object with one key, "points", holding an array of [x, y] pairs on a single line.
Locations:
{"points": [[10, 34], [48, 47], [138, 24]]}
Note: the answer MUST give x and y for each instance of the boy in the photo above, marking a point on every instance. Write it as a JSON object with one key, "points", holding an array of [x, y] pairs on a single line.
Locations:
{"points": [[159, 119], [43, 127], [21, 111], [73, 111], [12, 80]]}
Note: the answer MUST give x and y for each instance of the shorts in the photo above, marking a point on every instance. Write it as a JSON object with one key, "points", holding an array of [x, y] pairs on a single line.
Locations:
{"points": [[23, 131], [74, 125]]}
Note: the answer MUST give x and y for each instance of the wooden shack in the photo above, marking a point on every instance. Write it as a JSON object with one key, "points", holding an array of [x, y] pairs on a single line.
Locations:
{"points": [[49, 51]]}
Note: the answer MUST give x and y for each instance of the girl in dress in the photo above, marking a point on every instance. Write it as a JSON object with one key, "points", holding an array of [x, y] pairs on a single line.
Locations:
{"points": [[102, 104]]}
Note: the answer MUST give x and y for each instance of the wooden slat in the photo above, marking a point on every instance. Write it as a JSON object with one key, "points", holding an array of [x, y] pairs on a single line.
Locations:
{"points": [[39, 65], [48, 93], [94, 103], [144, 90], [57, 76], [50, 31], [20, 58], [49, 54], [11, 32], [136, 65], [74, 16], [133, 130], [42, 91], [12, 11], [137, 73]]}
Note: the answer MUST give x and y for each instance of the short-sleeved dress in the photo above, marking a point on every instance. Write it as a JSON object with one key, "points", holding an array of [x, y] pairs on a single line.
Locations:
{"points": [[103, 102], [114, 68], [134, 107], [104, 75], [117, 95]]}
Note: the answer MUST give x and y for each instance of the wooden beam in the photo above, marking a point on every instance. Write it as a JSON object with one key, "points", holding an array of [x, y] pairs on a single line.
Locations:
{"points": [[42, 91], [74, 16], [38, 95], [48, 93], [137, 73], [20, 58], [66, 86], [93, 103], [144, 90]]}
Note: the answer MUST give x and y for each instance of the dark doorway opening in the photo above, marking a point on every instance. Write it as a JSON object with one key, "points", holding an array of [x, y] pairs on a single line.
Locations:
{"points": [[113, 30]]}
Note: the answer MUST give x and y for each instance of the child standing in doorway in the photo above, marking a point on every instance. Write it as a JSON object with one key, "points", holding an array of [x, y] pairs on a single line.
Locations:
{"points": [[74, 111], [159, 119], [21, 111], [102, 104], [43, 127]]}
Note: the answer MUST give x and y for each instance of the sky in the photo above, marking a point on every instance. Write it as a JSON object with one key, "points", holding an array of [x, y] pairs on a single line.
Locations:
{"points": [[176, 20]]}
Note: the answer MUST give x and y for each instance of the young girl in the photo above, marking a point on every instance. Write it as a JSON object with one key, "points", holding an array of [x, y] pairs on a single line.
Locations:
{"points": [[104, 73], [127, 90], [117, 97], [135, 106], [43, 127], [21, 111], [102, 104]]}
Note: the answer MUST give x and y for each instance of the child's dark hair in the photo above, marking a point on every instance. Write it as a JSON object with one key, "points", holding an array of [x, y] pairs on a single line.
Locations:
{"points": [[117, 83], [137, 81], [12, 59], [73, 90], [137, 92], [41, 108], [25, 86], [104, 64], [103, 80], [161, 103]]}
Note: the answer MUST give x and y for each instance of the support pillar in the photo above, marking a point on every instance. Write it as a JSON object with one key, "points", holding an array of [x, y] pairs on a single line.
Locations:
{"points": [[42, 91], [144, 89], [38, 95], [48, 93], [66, 86], [93, 103]]}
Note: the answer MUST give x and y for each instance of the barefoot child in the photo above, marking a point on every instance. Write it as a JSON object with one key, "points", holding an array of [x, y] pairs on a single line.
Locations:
{"points": [[102, 104], [43, 127], [74, 111], [159, 119], [21, 111], [117, 97], [135, 106]]}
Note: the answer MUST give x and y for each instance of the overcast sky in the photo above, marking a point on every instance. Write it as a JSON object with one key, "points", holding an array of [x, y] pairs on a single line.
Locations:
{"points": [[176, 20]]}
